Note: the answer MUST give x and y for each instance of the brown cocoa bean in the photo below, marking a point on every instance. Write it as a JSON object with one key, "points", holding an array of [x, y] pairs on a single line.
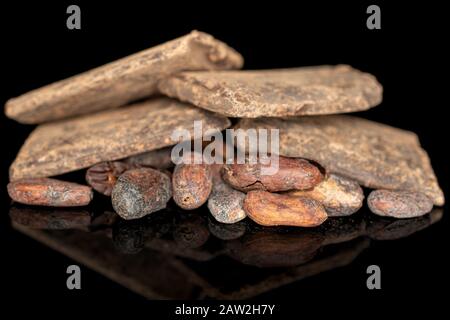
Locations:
{"points": [[399, 204], [192, 184], [271, 209], [49, 192], [103, 176], [340, 196], [139, 192], [225, 203], [292, 173]]}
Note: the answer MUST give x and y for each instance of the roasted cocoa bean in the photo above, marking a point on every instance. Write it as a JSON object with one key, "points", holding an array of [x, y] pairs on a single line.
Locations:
{"points": [[399, 204], [139, 192], [292, 173], [225, 203], [192, 185], [103, 176], [340, 196], [271, 209], [49, 192]]}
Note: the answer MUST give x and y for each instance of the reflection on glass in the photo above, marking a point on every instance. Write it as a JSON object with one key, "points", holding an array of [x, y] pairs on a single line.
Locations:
{"points": [[176, 254]]}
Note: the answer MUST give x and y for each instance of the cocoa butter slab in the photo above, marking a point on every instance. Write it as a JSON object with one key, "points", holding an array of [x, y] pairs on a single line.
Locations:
{"points": [[277, 93], [377, 156], [68, 145], [122, 81]]}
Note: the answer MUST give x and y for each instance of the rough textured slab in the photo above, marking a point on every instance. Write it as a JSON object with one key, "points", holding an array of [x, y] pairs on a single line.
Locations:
{"points": [[375, 155], [73, 144], [122, 81], [277, 93]]}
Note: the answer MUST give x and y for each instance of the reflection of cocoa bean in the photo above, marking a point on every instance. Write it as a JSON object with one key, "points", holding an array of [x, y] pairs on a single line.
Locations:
{"points": [[226, 231], [270, 209], [139, 192], [50, 218], [192, 184], [340, 196], [379, 228], [129, 236], [267, 249], [399, 204], [190, 231], [49, 192], [103, 176], [292, 173]]}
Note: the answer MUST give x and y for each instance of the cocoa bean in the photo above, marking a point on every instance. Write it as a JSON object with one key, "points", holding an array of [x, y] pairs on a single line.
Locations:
{"points": [[271, 209], [49, 192], [192, 184], [103, 176], [139, 192], [399, 204], [292, 173], [225, 203], [340, 196]]}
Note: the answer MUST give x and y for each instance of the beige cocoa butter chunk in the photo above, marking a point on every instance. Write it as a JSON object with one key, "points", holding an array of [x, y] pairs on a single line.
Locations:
{"points": [[68, 145], [122, 81], [277, 93]]}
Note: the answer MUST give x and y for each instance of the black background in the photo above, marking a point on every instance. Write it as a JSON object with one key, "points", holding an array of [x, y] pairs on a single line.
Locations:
{"points": [[407, 55]]}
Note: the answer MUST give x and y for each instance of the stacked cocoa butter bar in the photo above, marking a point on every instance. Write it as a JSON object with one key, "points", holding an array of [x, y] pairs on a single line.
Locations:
{"points": [[91, 122]]}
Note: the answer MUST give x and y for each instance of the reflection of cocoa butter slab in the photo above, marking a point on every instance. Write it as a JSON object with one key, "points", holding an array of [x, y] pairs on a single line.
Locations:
{"points": [[340, 257], [122, 81], [60, 147], [375, 155], [149, 273], [277, 93]]}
